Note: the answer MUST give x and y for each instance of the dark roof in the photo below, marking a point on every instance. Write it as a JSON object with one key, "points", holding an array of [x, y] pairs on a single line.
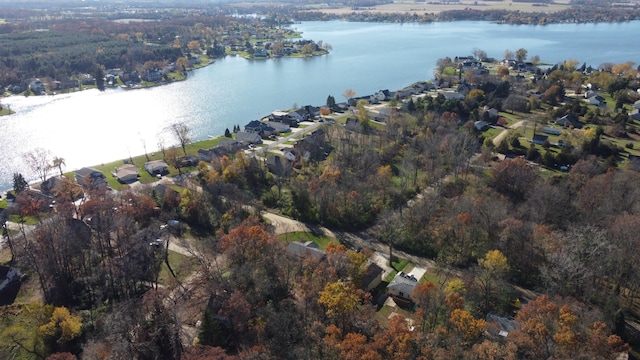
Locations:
{"points": [[373, 271], [537, 138]]}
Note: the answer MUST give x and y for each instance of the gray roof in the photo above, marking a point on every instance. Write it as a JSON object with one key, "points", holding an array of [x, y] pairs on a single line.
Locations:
{"points": [[127, 172], [403, 283], [299, 249]]}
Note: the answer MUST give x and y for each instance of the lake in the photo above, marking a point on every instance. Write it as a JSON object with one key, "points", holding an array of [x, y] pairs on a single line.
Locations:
{"points": [[92, 127]]}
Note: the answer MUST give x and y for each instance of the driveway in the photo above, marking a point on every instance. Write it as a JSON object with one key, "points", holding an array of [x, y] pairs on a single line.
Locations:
{"points": [[503, 134]]}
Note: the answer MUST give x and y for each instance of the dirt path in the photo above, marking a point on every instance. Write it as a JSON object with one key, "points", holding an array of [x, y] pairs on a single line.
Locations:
{"points": [[498, 139]]}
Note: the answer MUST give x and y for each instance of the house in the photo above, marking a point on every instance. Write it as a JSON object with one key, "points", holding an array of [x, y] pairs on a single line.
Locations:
{"points": [[383, 95], [209, 155], [402, 285], [596, 100], [127, 173], [452, 95], [11, 199], [352, 124], [156, 167], [278, 165], [489, 114], [248, 138], [539, 139], [503, 324], [551, 130], [37, 87], [312, 146], [481, 125], [187, 160], [308, 250], [372, 277], [152, 75], [90, 178], [635, 114], [278, 126], [636, 105], [292, 119], [49, 186], [88, 80], [634, 162], [232, 146], [569, 121], [262, 53], [255, 126]]}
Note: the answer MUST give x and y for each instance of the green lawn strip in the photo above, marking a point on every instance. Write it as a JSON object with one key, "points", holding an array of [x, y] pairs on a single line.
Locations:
{"points": [[28, 220], [527, 132], [182, 266], [303, 236], [430, 277], [6, 111], [109, 168], [3, 204], [399, 263], [492, 133]]}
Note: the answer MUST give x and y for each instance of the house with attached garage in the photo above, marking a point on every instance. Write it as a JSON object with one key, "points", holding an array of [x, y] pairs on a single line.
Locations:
{"points": [[90, 178], [249, 138], [208, 155], [127, 173], [402, 286], [156, 167]]}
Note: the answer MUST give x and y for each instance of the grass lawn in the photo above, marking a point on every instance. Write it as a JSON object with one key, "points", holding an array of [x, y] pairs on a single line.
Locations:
{"points": [[398, 264], [6, 111], [383, 314], [146, 178], [28, 220], [182, 266], [25, 324], [492, 133], [301, 236]]}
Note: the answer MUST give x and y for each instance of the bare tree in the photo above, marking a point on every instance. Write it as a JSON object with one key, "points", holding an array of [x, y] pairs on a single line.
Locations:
{"points": [[349, 93], [182, 133], [162, 147], [480, 54], [508, 54], [39, 160], [58, 162]]}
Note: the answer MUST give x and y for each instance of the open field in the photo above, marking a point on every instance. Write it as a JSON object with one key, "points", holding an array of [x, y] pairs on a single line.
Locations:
{"points": [[421, 7]]}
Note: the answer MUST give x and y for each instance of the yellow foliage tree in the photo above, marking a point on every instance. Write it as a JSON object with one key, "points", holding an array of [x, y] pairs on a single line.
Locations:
{"points": [[493, 267], [466, 326], [340, 300], [62, 326]]}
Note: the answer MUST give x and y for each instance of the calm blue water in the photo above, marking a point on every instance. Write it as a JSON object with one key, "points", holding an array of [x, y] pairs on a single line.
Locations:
{"points": [[90, 127]]}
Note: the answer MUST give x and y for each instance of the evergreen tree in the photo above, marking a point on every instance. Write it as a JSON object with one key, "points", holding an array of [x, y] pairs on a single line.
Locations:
{"points": [[19, 183], [227, 133], [210, 330], [331, 102]]}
